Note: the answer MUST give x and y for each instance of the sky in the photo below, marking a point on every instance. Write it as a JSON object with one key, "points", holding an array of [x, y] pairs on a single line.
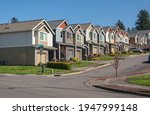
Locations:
{"points": [[99, 12]]}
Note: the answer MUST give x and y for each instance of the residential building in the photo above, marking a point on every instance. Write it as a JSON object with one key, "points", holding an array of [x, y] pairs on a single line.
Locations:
{"points": [[101, 39], [18, 42], [80, 50], [139, 39], [111, 46], [91, 39], [63, 39]]}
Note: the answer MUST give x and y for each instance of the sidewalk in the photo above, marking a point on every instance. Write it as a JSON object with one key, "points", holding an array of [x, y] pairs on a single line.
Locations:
{"points": [[99, 64], [120, 85]]}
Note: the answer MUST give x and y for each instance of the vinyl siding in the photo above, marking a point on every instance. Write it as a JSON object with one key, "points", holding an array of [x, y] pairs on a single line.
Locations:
{"points": [[16, 39]]}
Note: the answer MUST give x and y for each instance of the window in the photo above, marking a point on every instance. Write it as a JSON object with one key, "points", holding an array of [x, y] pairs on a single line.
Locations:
{"points": [[90, 35], [126, 40], [78, 37], [68, 35], [43, 36], [101, 37], [61, 34], [94, 35]]}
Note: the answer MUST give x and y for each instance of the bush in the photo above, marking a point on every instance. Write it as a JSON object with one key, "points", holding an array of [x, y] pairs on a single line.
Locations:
{"points": [[74, 59], [59, 65]]}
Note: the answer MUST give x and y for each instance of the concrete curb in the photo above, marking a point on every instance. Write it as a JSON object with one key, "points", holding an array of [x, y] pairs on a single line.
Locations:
{"points": [[83, 71], [122, 88]]}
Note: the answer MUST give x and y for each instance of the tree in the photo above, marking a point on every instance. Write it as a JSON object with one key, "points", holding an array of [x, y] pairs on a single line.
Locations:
{"points": [[143, 21], [128, 29], [121, 25], [14, 20]]}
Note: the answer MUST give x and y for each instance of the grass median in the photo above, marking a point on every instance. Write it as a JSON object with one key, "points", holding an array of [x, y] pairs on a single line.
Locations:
{"points": [[140, 80]]}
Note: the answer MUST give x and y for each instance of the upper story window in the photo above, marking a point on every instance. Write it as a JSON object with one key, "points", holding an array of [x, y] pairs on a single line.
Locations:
{"points": [[121, 38], [43, 36], [94, 35], [61, 34], [69, 35], [101, 37], [126, 40], [90, 35], [79, 37]]}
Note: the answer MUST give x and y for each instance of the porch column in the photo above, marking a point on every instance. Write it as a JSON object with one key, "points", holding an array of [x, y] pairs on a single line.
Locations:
{"points": [[59, 51], [54, 55], [75, 50]]}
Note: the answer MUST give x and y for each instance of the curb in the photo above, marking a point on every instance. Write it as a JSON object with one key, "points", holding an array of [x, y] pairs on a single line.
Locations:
{"points": [[122, 91], [83, 71]]}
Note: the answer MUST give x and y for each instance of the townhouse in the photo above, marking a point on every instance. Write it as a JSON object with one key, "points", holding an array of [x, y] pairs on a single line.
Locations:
{"points": [[80, 49], [63, 39], [18, 42], [91, 39], [111, 46], [101, 39], [139, 39]]}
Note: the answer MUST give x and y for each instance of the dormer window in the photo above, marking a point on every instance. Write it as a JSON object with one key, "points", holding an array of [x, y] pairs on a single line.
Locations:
{"points": [[43, 36]]}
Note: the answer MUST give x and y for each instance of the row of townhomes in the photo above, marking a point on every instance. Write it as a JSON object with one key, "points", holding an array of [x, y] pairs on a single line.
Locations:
{"points": [[63, 41]]}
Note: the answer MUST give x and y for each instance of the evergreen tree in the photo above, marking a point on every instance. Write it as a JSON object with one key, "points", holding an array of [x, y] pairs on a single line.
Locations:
{"points": [[128, 29], [14, 20], [143, 21], [121, 25]]}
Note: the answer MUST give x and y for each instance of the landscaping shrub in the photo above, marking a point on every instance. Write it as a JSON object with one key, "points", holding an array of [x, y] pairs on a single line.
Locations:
{"points": [[74, 59], [59, 65]]}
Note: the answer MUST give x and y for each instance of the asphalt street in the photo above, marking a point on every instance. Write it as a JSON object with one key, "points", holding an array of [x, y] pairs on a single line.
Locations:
{"points": [[72, 86]]}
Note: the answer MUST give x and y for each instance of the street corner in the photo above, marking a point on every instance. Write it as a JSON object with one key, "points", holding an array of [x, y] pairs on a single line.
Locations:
{"points": [[119, 84]]}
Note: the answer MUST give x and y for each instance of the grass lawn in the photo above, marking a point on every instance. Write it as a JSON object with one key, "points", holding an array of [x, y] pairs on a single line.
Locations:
{"points": [[25, 70], [140, 80], [82, 63], [103, 58]]}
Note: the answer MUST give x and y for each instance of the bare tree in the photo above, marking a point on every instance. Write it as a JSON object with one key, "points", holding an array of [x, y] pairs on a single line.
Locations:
{"points": [[115, 64]]}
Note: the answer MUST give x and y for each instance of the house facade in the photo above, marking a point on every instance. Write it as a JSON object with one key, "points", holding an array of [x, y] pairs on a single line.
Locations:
{"points": [[63, 39], [18, 42], [91, 39], [101, 39], [79, 35], [139, 39], [111, 46]]}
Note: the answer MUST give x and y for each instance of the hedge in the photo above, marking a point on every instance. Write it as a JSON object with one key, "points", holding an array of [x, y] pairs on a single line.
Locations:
{"points": [[59, 65]]}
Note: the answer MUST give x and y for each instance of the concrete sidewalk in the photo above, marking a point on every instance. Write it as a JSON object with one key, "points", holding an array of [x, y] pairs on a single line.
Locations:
{"points": [[120, 85]]}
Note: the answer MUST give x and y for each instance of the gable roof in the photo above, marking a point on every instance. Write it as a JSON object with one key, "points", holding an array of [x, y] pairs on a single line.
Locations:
{"points": [[106, 28], [74, 26], [86, 25], [56, 23], [19, 26], [132, 33]]}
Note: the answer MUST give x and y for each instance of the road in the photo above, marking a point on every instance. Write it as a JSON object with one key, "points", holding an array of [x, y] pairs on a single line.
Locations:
{"points": [[22, 86]]}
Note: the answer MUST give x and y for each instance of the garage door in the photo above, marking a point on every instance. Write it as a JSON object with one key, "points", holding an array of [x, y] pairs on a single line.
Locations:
{"points": [[79, 55], [43, 58], [95, 50], [70, 54]]}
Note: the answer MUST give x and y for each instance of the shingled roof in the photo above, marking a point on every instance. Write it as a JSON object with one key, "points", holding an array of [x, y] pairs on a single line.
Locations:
{"points": [[55, 23], [19, 26], [85, 25]]}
